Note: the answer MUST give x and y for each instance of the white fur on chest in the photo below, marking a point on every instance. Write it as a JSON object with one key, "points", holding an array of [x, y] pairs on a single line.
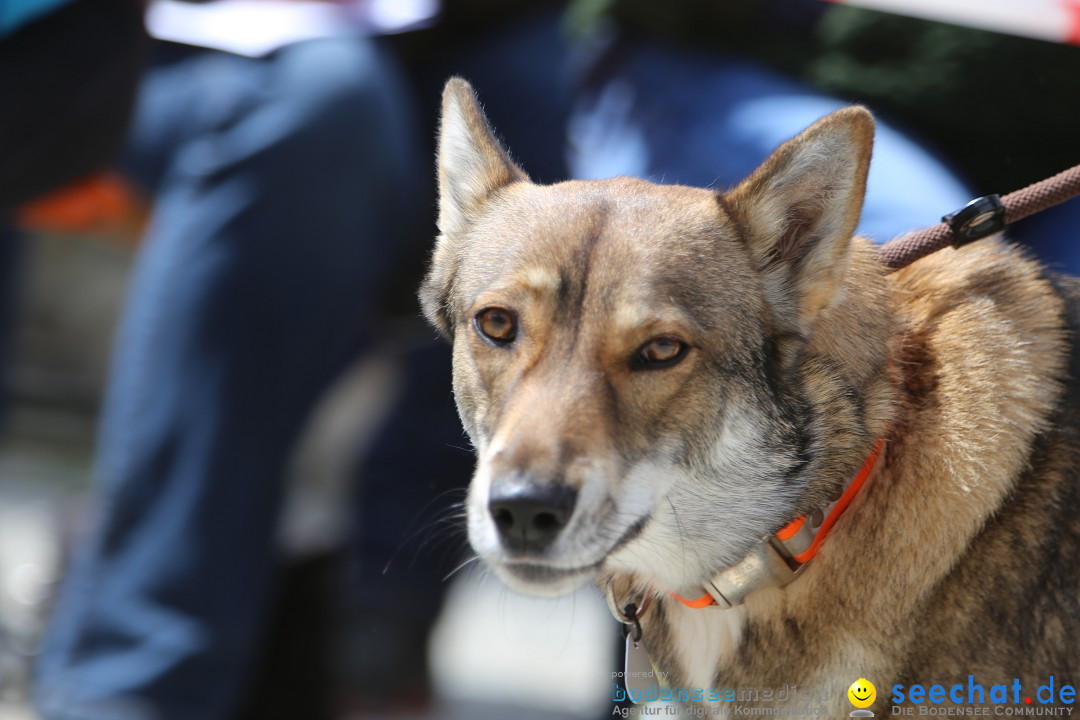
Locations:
{"points": [[705, 640]]}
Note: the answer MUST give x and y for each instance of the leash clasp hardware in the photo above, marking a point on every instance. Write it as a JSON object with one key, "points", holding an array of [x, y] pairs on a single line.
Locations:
{"points": [[979, 218], [631, 623]]}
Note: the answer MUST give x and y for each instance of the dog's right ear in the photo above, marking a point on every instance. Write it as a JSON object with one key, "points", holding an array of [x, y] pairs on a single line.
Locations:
{"points": [[472, 166], [472, 163]]}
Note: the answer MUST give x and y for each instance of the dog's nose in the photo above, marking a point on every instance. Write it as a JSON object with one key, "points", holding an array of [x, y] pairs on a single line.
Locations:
{"points": [[529, 516]]}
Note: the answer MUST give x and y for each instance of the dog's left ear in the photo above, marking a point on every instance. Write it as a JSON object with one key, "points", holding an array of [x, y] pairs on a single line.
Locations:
{"points": [[799, 210]]}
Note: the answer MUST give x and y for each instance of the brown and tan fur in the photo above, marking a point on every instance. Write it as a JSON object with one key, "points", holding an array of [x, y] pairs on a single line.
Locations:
{"points": [[959, 555]]}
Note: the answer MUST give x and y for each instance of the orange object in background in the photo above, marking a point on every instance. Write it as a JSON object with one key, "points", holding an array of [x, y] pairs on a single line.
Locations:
{"points": [[104, 203]]}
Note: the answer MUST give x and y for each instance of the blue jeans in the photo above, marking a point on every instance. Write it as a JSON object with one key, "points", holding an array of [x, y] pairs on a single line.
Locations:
{"points": [[280, 189], [676, 116]]}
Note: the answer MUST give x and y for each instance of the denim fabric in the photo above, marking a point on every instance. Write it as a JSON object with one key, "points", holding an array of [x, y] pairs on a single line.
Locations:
{"points": [[280, 189], [676, 116]]}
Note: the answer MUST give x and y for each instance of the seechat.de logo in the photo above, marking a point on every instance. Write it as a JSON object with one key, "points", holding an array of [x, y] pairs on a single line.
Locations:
{"points": [[1004, 696]]}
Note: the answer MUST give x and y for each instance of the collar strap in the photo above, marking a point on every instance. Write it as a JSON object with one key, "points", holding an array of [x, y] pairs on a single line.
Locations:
{"points": [[777, 559]]}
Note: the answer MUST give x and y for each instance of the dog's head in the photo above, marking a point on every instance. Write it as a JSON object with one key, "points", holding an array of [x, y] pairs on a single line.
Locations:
{"points": [[654, 377]]}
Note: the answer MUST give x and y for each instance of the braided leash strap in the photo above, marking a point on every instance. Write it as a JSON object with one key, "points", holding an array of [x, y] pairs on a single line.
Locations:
{"points": [[981, 217]]}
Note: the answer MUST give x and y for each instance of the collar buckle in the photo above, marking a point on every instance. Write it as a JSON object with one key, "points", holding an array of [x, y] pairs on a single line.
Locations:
{"points": [[764, 566]]}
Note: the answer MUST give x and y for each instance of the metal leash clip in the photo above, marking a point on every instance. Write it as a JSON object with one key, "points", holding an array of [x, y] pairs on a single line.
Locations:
{"points": [[631, 623]]}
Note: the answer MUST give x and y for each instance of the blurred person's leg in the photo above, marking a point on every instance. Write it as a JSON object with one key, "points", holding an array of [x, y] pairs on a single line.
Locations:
{"points": [[677, 116], [279, 184], [409, 537]]}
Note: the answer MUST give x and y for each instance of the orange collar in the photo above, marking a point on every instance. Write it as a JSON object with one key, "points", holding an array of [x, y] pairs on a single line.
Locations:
{"points": [[776, 560]]}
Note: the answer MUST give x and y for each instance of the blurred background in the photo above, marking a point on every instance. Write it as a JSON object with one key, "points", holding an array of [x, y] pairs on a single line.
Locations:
{"points": [[231, 472]]}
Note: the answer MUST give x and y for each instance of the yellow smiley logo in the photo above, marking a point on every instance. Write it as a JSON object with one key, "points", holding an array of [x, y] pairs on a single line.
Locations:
{"points": [[862, 693]]}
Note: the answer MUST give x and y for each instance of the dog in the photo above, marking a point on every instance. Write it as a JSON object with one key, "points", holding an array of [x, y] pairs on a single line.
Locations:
{"points": [[658, 380]]}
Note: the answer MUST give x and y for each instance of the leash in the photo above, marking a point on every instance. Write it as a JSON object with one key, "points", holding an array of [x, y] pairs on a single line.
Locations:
{"points": [[980, 218]]}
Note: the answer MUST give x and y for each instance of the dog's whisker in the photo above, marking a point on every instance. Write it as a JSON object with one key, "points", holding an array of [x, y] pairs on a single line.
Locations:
{"points": [[461, 567], [445, 515], [446, 533], [681, 532]]}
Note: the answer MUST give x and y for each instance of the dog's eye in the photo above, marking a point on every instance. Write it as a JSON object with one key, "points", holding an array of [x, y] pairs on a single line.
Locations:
{"points": [[660, 353], [497, 325]]}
